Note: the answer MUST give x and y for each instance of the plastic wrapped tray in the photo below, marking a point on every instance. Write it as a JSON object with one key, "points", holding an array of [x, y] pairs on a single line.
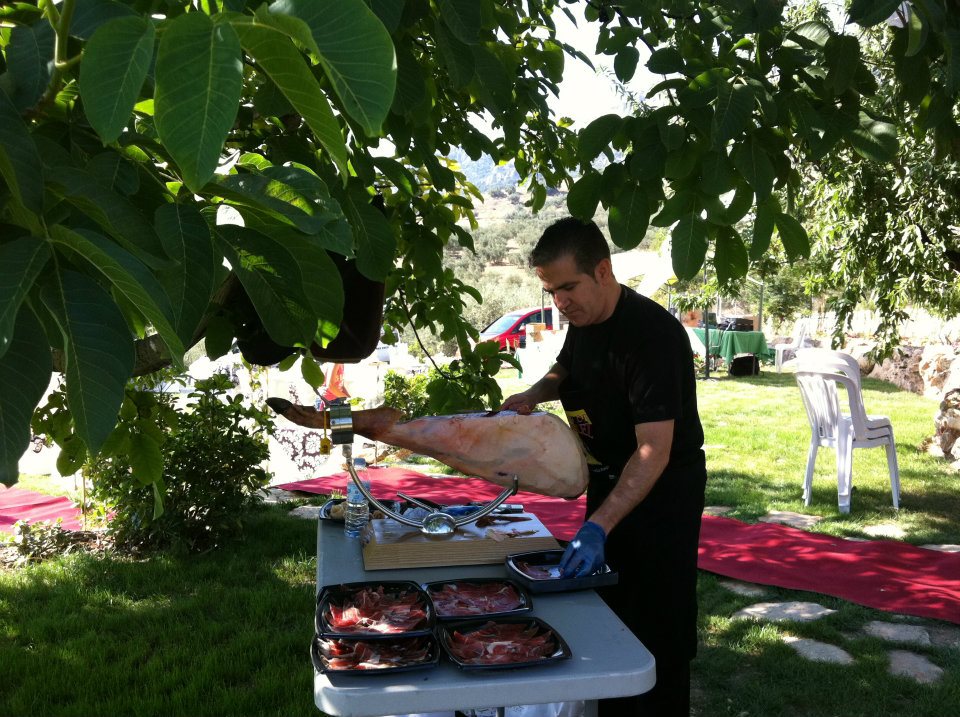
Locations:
{"points": [[336, 595], [323, 661], [518, 569], [525, 602], [326, 508], [558, 648]]}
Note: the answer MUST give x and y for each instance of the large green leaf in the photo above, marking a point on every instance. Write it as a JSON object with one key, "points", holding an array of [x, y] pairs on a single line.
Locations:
{"points": [[595, 137], [271, 276], [98, 350], [373, 236], [813, 31], [584, 196], [116, 172], [115, 63], [689, 246], [115, 214], [666, 61], [754, 164], [952, 37], [767, 213], [285, 202], [874, 140], [463, 17], [29, 59], [870, 12], [190, 281], [146, 459], [457, 57], [793, 236], [19, 160], [281, 60], [730, 259], [24, 376], [321, 281], [629, 217], [21, 261], [732, 114], [716, 173], [356, 53], [129, 277], [90, 15], [842, 57], [199, 79]]}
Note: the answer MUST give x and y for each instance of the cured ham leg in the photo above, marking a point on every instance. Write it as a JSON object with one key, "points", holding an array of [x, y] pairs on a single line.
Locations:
{"points": [[540, 449]]}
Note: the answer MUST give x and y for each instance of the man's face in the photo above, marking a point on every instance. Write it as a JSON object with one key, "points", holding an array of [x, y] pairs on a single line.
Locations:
{"points": [[580, 297]]}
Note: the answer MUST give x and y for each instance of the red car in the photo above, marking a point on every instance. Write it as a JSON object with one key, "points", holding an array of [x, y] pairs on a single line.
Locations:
{"points": [[510, 330]]}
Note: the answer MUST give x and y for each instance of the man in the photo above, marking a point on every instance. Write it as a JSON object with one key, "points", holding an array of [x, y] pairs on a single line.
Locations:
{"points": [[626, 380]]}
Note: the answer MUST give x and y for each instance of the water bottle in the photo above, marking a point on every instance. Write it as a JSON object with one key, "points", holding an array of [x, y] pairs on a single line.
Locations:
{"points": [[357, 512]]}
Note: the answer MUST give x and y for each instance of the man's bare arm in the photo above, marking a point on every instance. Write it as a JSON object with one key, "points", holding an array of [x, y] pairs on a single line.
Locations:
{"points": [[546, 389], [642, 471]]}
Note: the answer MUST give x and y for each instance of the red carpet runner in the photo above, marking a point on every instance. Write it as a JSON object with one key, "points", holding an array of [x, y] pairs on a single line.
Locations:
{"points": [[19, 504], [882, 574]]}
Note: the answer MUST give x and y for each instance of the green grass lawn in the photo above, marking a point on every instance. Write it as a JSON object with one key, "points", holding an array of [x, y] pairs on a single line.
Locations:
{"points": [[227, 632]]}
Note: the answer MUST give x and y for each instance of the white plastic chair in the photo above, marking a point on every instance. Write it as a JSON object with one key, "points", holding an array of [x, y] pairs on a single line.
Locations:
{"points": [[818, 373], [796, 342]]}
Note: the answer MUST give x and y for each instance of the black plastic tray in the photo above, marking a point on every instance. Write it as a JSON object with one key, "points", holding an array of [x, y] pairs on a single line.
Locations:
{"points": [[321, 664], [526, 602], [550, 559], [445, 633], [337, 593]]}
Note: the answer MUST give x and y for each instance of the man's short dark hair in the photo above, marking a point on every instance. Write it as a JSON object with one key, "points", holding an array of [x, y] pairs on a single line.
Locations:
{"points": [[570, 237]]}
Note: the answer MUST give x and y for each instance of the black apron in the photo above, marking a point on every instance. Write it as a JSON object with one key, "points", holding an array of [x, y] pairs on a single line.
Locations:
{"points": [[654, 547]]}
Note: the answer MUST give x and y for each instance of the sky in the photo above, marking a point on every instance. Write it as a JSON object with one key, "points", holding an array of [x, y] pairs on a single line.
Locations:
{"points": [[584, 93]]}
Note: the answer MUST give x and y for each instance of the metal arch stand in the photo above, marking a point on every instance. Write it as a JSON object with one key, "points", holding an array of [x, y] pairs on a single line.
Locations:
{"points": [[436, 523]]}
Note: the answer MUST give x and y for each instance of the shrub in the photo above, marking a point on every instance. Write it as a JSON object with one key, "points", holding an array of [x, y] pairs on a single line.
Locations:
{"points": [[211, 470], [40, 540]]}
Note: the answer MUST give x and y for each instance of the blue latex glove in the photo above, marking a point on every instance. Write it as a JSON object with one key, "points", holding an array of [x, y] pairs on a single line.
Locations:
{"points": [[458, 511], [584, 554]]}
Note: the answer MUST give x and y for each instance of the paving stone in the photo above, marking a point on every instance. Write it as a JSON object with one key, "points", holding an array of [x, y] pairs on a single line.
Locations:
{"points": [[276, 495], [745, 589], [780, 611], [885, 530], [816, 651], [717, 509], [942, 547], [795, 520], [892, 632], [307, 512], [916, 667], [945, 636]]}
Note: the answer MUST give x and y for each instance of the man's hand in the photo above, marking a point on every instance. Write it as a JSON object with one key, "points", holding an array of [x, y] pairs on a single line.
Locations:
{"points": [[584, 554], [523, 403]]}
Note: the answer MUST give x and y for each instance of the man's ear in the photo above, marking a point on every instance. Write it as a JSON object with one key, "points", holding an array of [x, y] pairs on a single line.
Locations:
{"points": [[603, 271]]}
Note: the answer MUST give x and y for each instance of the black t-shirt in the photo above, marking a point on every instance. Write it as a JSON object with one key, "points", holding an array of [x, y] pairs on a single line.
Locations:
{"points": [[635, 367]]}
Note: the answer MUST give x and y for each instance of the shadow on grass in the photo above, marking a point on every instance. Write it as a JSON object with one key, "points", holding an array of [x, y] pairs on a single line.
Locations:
{"points": [[225, 632]]}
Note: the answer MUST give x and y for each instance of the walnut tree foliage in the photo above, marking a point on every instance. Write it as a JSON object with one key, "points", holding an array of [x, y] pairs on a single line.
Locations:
{"points": [[161, 158]]}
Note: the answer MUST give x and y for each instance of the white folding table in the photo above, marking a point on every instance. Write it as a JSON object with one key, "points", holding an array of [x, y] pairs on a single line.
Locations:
{"points": [[608, 661]]}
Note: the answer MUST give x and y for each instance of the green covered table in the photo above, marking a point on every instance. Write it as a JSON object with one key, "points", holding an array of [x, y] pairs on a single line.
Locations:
{"points": [[727, 344]]}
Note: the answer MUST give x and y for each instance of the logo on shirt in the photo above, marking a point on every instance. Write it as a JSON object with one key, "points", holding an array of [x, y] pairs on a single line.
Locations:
{"points": [[581, 423]]}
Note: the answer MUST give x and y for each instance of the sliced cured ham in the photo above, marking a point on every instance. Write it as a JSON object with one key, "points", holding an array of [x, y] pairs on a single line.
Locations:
{"points": [[347, 655], [469, 599], [497, 643], [375, 610], [539, 449]]}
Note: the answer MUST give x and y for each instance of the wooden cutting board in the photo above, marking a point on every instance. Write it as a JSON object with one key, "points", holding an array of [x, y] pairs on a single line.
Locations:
{"points": [[389, 544]]}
